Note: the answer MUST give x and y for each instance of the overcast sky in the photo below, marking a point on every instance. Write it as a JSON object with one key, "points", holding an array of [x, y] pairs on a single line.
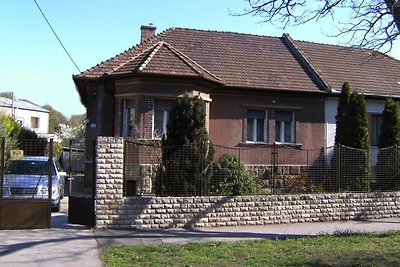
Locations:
{"points": [[35, 67]]}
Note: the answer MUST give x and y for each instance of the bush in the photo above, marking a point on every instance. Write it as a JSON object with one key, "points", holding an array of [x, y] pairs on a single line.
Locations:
{"points": [[230, 177], [31, 144]]}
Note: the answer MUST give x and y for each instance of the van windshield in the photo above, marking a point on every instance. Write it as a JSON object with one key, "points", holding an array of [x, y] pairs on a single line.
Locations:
{"points": [[28, 167]]}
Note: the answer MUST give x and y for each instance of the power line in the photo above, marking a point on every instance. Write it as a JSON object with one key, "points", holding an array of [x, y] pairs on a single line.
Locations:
{"points": [[55, 34]]}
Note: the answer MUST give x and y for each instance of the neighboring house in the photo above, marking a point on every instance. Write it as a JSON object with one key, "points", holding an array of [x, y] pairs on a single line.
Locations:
{"points": [[27, 113], [259, 90]]}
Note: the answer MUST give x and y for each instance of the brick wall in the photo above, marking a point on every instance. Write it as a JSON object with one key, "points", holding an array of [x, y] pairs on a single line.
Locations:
{"points": [[115, 211]]}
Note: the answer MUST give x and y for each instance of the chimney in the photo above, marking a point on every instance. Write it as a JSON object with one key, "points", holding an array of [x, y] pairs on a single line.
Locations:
{"points": [[147, 32]]}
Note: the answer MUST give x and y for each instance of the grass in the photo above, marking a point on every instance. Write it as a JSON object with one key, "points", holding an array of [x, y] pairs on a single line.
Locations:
{"points": [[346, 249]]}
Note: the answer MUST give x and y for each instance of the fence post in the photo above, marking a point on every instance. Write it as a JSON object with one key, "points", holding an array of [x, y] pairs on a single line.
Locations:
{"points": [[50, 180], [70, 168], [396, 166], [274, 168], [3, 142], [339, 174]]}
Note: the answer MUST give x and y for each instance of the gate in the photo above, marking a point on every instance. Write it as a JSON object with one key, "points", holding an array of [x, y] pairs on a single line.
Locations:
{"points": [[81, 187], [27, 184]]}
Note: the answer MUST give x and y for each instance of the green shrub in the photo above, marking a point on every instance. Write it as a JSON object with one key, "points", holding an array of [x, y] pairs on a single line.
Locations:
{"points": [[230, 177]]}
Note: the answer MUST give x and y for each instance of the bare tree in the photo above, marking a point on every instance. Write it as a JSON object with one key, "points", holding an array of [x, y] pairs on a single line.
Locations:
{"points": [[371, 23]]}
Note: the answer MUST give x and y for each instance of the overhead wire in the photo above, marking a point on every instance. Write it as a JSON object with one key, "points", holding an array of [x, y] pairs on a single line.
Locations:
{"points": [[55, 34]]}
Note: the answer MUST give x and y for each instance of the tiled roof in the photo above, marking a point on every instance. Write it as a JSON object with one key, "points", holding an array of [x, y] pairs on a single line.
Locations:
{"points": [[163, 59], [244, 60], [367, 71], [240, 60]]}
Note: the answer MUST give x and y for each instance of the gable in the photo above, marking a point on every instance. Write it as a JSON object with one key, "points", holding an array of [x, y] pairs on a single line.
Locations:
{"points": [[163, 59]]}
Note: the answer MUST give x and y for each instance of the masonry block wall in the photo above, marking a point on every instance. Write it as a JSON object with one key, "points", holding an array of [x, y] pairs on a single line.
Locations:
{"points": [[113, 210]]}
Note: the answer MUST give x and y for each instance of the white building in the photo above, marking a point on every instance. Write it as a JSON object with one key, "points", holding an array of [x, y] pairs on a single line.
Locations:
{"points": [[27, 113]]}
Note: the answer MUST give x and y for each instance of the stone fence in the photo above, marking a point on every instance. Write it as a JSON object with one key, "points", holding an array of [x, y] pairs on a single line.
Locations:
{"points": [[113, 210]]}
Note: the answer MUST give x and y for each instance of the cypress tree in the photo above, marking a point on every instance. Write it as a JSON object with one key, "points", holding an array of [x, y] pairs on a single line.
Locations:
{"points": [[357, 123], [387, 167], [333, 183], [340, 117], [187, 153], [390, 129], [355, 154]]}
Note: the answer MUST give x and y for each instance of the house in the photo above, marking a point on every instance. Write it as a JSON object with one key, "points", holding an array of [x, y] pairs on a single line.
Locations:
{"points": [[30, 115], [259, 90]]}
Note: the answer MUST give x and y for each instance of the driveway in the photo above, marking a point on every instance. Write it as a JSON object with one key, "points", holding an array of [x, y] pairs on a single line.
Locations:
{"points": [[63, 245]]}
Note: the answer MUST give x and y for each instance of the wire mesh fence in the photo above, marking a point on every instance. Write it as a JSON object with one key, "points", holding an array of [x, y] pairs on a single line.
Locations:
{"points": [[204, 169], [27, 169]]}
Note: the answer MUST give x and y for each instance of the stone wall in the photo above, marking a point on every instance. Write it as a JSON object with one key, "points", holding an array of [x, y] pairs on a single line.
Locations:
{"points": [[113, 210]]}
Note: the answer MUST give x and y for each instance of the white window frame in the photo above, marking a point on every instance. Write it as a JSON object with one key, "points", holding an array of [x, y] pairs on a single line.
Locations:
{"points": [[164, 124], [128, 105], [254, 134], [372, 133], [36, 124], [282, 129]]}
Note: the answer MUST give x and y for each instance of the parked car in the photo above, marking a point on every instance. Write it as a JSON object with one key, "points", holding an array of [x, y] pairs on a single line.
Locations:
{"points": [[28, 178]]}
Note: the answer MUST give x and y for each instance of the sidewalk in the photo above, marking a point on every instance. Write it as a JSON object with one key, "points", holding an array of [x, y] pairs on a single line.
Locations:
{"points": [[74, 245], [240, 233], [63, 245]]}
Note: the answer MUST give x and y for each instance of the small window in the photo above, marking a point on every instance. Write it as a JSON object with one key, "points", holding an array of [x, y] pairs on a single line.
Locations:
{"points": [[256, 126], [376, 123], [160, 123], [284, 127], [34, 122], [129, 126]]}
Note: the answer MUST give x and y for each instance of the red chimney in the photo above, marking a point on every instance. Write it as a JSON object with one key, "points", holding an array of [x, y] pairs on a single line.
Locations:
{"points": [[147, 31]]}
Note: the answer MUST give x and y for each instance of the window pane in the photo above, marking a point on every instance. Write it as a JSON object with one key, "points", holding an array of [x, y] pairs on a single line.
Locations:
{"points": [[129, 126], [131, 122], [278, 131], [256, 125], [34, 122], [260, 130], [158, 123], [375, 129], [288, 132], [250, 129]]}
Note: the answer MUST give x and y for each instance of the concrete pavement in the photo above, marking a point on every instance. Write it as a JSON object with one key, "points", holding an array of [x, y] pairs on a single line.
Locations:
{"points": [[63, 245], [74, 245], [241, 233]]}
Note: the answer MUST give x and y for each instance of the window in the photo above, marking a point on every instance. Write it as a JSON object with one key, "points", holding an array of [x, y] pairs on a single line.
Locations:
{"points": [[256, 126], [375, 131], [129, 126], [160, 123], [284, 127], [160, 117], [34, 122]]}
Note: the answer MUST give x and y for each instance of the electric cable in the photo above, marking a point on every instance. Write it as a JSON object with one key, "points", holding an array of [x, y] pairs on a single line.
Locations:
{"points": [[55, 34]]}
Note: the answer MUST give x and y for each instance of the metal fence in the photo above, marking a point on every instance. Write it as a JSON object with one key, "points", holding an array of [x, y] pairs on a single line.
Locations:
{"points": [[275, 169]]}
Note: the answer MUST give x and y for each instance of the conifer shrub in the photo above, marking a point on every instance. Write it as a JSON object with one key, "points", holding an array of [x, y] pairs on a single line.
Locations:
{"points": [[387, 167], [230, 177], [187, 153]]}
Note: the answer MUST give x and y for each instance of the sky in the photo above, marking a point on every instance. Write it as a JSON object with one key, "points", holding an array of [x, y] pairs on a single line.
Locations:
{"points": [[35, 67]]}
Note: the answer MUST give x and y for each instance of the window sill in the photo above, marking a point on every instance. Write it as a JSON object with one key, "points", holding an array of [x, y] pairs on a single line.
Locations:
{"points": [[279, 144]]}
